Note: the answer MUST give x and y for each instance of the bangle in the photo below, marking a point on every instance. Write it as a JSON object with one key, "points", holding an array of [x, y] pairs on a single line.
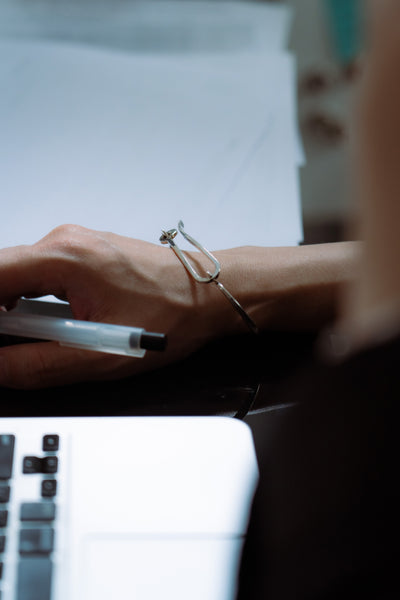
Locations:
{"points": [[168, 237]]}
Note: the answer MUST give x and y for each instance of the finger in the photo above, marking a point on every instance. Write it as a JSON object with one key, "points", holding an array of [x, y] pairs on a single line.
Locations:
{"points": [[47, 364], [50, 266], [27, 271]]}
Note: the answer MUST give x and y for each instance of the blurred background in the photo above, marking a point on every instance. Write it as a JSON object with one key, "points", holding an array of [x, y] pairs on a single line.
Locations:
{"points": [[326, 37]]}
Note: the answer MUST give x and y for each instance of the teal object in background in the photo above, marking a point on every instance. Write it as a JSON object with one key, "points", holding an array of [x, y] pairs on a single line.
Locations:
{"points": [[346, 23]]}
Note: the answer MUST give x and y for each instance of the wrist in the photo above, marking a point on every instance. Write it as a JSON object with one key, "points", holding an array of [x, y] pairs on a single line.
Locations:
{"points": [[280, 288], [289, 287]]}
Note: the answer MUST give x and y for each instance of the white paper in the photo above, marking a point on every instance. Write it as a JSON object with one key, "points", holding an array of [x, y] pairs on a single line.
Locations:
{"points": [[133, 143]]}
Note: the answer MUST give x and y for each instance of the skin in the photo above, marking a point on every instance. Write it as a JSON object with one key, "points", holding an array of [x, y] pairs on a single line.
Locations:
{"points": [[114, 279], [371, 305]]}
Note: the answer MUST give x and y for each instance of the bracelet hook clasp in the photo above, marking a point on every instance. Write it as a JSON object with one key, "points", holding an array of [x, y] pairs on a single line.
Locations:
{"points": [[169, 236]]}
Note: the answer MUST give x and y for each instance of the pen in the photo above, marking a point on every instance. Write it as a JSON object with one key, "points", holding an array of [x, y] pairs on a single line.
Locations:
{"points": [[101, 337]]}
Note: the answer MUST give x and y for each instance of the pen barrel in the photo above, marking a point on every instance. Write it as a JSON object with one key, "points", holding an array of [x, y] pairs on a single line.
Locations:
{"points": [[100, 337], [113, 339]]}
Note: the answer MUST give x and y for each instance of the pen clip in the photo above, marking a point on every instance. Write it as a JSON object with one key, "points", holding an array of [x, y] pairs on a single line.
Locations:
{"points": [[168, 237]]}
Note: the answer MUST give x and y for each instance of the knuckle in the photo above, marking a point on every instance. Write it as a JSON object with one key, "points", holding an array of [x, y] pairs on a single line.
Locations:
{"points": [[75, 243], [65, 240], [65, 228], [64, 231]]}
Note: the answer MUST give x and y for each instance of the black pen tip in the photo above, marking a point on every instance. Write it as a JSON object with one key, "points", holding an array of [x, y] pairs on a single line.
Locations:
{"points": [[153, 341]]}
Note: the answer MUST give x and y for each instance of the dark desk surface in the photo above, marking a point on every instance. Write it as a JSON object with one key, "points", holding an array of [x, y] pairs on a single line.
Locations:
{"points": [[221, 379]]}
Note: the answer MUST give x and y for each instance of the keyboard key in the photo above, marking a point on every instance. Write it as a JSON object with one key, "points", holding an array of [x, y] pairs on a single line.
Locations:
{"points": [[51, 443], [49, 464], [36, 540], [3, 518], [6, 455], [4, 493], [34, 464], [49, 488], [2, 543], [37, 511], [34, 578]]}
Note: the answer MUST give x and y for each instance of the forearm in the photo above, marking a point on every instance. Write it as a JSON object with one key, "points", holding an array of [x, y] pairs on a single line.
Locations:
{"points": [[284, 288]]}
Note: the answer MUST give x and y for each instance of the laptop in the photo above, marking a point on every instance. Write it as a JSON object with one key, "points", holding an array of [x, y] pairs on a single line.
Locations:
{"points": [[144, 508]]}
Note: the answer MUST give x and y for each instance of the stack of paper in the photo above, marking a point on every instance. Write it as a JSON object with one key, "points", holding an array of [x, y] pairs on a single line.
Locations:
{"points": [[128, 116]]}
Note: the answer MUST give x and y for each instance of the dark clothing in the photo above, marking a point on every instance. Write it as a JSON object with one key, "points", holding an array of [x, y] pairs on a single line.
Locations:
{"points": [[325, 520]]}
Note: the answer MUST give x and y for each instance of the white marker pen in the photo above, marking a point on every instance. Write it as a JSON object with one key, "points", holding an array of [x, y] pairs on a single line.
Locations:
{"points": [[101, 337]]}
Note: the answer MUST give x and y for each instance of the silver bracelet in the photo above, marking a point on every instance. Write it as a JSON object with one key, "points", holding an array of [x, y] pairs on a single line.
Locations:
{"points": [[168, 237]]}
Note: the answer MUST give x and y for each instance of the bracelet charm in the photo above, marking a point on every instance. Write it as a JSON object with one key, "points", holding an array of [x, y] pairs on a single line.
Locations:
{"points": [[169, 236]]}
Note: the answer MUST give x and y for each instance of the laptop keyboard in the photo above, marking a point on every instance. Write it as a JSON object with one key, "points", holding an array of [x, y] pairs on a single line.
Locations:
{"points": [[26, 548]]}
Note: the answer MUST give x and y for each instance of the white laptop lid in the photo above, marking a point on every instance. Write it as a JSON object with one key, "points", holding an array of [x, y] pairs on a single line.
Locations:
{"points": [[149, 507]]}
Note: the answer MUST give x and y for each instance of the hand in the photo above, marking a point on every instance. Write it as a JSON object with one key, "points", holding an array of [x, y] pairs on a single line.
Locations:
{"points": [[105, 278]]}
